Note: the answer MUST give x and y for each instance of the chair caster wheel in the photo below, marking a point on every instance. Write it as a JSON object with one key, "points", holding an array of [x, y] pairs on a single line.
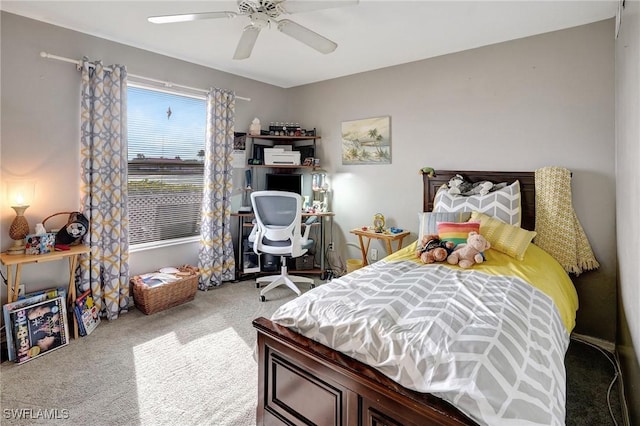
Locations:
{"points": [[263, 299], [257, 285], [313, 285]]}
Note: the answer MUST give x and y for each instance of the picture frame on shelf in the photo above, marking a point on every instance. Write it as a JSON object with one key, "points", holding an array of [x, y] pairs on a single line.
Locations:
{"points": [[239, 141]]}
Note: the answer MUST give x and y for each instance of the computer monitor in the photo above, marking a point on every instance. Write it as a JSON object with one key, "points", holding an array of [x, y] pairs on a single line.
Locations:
{"points": [[284, 182]]}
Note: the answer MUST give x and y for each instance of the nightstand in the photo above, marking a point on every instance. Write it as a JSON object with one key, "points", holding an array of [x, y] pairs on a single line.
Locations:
{"points": [[369, 235]]}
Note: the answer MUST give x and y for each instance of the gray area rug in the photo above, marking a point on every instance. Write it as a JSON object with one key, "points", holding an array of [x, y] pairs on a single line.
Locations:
{"points": [[194, 365]]}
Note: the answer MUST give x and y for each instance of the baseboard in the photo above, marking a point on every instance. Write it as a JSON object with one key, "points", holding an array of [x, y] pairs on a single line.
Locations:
{"points": [[601, 343]]}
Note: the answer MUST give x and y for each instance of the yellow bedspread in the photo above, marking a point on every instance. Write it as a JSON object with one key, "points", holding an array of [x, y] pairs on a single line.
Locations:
{"points": [[538, 268]]}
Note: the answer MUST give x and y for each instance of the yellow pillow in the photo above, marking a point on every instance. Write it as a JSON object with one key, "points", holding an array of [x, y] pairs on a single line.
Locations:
{"points": [[508, 239]]}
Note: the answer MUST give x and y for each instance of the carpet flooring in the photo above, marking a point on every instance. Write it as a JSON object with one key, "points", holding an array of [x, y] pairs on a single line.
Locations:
{"points": [[194, 365]]}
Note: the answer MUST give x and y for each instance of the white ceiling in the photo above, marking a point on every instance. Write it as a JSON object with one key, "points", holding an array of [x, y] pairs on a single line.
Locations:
{"points": [[371, 35]]}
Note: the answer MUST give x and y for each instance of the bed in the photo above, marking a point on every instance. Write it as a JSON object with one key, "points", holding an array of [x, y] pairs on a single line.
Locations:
{"points": [[320, 363]]}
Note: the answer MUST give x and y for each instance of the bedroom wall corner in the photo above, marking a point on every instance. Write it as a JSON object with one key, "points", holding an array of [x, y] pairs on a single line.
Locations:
{"points": [[627, 66]]}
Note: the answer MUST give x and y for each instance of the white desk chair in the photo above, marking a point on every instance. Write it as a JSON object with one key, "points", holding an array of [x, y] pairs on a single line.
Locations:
{"points": [[278, 232]]}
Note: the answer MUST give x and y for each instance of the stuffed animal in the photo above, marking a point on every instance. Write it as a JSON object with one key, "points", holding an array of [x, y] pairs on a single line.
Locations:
{"points": [[480, 188], [428, 171], [433, 249], [484, 187], [468, 254], [458, 185]]}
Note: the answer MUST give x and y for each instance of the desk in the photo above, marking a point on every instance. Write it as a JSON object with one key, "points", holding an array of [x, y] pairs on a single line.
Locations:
{"points": [[372, 235], [244, 220], [17, 260]]}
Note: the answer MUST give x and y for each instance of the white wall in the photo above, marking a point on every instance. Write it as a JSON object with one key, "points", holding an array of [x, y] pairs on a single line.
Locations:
{"points": [[628, 200], [520, 105]]}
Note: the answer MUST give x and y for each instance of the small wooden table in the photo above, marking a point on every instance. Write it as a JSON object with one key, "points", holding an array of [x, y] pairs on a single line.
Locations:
{"points": [[372, 235], [17, 260]]}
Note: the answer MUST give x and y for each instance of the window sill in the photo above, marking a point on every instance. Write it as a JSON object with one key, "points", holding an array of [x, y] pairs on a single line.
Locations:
{"points": [[162, 244]]}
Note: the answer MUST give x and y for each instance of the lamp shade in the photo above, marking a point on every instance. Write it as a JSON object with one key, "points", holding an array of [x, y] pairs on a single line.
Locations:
{"points": [[319, 181]]}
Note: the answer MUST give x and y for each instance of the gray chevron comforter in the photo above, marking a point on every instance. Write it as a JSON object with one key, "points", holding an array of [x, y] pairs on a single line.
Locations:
{"points": [[493, 346]]}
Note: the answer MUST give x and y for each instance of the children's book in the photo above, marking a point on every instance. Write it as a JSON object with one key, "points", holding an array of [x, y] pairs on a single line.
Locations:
{"points": [[86, 313], [26, 300], [40, 328]]}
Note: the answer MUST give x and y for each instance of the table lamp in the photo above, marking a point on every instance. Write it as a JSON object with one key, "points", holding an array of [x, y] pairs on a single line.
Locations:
{"points": [[19, 195], [320, 184]]}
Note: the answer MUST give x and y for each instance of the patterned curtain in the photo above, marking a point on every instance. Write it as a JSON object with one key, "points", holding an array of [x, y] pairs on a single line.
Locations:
{"points": [[216, 261], [103, 157]]}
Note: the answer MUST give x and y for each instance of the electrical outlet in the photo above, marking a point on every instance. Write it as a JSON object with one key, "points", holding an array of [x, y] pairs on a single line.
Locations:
{"points": [[374, 254], [21, 290]]}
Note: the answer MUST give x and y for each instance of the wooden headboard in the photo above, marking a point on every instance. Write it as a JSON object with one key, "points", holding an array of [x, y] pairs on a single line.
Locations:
{"points": [[527, 189]]}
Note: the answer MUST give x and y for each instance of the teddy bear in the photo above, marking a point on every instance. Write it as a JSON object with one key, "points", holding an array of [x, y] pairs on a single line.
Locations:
{"points": [[468, 254], [433, 249]]}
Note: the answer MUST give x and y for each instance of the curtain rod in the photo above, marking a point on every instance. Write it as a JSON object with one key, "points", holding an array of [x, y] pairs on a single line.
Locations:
{"points": [[167, 84]]}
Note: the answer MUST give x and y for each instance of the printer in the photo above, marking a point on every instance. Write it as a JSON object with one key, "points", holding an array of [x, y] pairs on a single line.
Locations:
{"points": [[281, 156]]}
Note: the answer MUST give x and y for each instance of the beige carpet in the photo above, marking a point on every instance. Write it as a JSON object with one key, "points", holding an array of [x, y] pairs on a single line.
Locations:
{"points": [[190, 365]]}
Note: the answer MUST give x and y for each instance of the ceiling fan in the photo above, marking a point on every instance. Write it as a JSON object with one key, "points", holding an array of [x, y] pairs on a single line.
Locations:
{"points": [[263, 13]]}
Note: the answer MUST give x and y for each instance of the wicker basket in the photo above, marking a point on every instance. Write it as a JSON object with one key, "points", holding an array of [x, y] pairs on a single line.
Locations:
{"points": [[155, 299]]}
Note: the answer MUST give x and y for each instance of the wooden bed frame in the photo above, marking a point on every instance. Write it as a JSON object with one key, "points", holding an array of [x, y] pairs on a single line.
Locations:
{"points": [[302, 382]]}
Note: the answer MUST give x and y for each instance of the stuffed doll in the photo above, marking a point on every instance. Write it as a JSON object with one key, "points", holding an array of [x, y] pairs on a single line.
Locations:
{"points": [[468, 254], [484, 187], [480, 188], [458, 185], [433, 249]]}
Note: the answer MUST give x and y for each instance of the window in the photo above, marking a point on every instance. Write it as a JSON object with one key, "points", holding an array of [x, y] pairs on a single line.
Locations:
{"points": [[166, 133]]}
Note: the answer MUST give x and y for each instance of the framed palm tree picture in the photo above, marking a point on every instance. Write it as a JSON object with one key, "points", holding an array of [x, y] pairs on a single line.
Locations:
{"points": [[367, 141]]}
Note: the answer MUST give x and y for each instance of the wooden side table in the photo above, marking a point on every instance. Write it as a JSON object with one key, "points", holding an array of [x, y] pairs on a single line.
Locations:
{"points": [[18, 260], [372, 235]]}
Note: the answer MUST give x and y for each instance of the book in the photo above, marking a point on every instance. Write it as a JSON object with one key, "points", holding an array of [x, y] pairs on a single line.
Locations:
{"points": [[77, 311], [86, 313], [26, 300], [40, 328]]}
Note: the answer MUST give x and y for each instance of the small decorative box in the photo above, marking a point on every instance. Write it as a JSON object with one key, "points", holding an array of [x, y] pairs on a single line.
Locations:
{"points": [[40, 244]]}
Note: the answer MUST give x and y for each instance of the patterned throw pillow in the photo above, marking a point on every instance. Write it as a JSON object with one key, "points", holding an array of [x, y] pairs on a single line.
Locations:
{"points": [[508, 239], [457, 232], [503, 204], [428, 221]]}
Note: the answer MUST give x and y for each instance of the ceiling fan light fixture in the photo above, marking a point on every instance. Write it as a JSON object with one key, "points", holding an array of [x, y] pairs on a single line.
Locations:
{"points": [[259, 20], [306, 36]]}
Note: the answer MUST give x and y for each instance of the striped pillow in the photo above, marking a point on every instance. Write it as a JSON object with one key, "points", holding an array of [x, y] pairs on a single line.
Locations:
{"points": [[503, 203], [457, 232], [429, 221], [508, 239]]}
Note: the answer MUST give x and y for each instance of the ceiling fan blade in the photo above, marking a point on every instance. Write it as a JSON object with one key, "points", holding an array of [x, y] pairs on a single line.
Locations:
{"points": [[306, 36], [247, 41], [186, 17], [298, 6]]}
